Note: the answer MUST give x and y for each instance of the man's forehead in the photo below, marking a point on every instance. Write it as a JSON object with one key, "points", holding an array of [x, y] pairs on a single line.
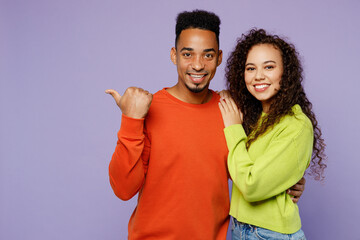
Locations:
{"points": [[197, 39]]}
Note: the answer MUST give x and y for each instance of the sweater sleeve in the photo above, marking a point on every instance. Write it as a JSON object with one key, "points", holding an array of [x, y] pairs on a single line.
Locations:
{"points": [[283, 163], [129, 162]]}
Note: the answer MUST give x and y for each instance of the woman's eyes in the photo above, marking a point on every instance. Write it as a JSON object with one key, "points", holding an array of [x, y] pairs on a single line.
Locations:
{"points": [[269, 67], [253, 68]]}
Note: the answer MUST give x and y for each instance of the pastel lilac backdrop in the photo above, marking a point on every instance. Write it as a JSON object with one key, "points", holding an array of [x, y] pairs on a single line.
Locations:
{"points": [[58, 128]]}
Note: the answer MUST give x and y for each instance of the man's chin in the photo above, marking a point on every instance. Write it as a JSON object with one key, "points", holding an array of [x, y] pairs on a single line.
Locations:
{"points": [[197, 89]]}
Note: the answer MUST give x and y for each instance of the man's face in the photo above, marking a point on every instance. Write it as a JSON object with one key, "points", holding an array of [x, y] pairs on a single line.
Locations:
{"points": [[196, 56]]}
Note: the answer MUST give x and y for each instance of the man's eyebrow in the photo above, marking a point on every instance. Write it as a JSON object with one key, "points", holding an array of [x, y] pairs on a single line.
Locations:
{"points": [[186, 49], [191, 49], [209, 50]]}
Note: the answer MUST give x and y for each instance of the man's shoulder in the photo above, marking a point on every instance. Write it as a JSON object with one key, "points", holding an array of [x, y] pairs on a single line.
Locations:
{"points": [[160, 92], [159, 99], [160, 95], [215, 94]]}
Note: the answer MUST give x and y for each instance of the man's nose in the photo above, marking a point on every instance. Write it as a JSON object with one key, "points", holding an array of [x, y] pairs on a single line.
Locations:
{"points": [[198, 64]]}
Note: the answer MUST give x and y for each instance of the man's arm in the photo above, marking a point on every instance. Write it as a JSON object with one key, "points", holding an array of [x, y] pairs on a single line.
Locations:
{"points": [[297, 190], [129, 162]]}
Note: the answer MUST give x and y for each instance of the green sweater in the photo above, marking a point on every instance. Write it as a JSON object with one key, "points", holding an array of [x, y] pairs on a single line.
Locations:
{"points": [[261, 174]]}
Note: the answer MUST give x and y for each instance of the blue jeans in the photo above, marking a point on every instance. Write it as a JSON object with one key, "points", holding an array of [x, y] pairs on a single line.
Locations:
{"points": [[243, 231]]}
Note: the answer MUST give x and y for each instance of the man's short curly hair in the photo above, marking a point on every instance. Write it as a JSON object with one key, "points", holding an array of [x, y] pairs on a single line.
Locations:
{"points": [[197, 19]]}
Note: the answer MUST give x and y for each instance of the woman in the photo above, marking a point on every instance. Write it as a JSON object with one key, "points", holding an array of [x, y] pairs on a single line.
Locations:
{"points": [[272, 139]]}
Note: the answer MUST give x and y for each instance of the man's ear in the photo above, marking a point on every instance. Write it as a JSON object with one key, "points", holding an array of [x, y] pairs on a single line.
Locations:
{"points": [[173, 55], [220, 58]]}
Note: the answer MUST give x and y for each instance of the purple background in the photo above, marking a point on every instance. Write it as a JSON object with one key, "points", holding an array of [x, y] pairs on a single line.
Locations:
{"points": [[58, 127]]}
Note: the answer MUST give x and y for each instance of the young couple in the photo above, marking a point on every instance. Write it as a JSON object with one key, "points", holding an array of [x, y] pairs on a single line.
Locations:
{"points": [[174, 151]]}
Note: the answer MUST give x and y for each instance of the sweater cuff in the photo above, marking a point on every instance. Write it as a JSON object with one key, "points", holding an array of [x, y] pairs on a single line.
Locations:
{"points": [[234, 134], [131, 127]]}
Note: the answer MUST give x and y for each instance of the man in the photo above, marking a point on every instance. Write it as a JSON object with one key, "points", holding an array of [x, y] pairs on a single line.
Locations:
{"points": [[171, 147]]}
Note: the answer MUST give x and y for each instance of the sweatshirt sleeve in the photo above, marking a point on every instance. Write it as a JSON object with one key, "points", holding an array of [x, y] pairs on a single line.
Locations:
{"points": [[283, 163], [129, 162]]}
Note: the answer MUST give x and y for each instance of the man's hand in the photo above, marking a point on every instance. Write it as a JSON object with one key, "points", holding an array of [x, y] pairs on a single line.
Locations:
{"points": [[134, 103], [230, 112], [297, 190]]}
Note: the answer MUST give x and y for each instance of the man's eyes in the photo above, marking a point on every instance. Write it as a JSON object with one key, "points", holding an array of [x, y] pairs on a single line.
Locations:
{"points": [[206, 56], [209, 55]]}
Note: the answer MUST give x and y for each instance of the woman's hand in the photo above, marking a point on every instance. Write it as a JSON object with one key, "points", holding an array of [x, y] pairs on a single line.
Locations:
{"points": [[230, 113], [224, 94]]}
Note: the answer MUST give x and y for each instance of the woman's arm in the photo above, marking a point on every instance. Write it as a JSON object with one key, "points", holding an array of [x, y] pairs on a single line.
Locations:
{"points": [[279, 168]]}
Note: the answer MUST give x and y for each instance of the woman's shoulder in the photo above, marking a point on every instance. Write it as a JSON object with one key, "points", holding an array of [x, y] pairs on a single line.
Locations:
{"points": [[299, 116], [295, 123]]}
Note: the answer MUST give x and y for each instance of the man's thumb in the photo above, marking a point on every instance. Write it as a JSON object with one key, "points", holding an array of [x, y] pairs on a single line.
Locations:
{"points": [[114, 94]]}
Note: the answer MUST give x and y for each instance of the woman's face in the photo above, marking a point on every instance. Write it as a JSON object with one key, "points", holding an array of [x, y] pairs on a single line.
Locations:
{"points": [[263, 71]]}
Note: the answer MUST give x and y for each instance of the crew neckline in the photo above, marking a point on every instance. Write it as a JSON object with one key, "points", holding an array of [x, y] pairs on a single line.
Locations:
{"points": [[213, 99]]}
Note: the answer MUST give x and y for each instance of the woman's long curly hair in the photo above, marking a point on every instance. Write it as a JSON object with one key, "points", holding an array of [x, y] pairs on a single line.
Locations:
{"points": [[290, 93]]}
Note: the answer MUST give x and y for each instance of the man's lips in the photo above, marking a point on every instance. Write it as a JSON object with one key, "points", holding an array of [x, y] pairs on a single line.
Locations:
{"points": [[197, 78]]}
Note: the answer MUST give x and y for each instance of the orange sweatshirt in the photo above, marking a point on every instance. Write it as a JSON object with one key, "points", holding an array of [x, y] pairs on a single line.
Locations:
{"points": [[176, 160]]}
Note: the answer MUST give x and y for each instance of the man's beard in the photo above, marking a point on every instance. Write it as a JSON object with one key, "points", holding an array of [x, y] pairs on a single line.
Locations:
{"points": [[197, 89]]}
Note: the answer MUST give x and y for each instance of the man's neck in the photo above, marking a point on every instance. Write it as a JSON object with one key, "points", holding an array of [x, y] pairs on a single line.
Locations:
{"points": [[187, 96]]}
